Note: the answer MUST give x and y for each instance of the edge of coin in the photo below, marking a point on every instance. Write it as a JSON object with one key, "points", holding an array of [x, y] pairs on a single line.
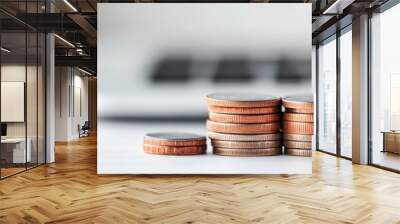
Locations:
{"points": [[175, 143], [300, 111], [244, 119], [247, 152], [277, 101], [298, 137], [298, 152], [246, 145], [298, 117], [243, 128], [293, 127], [245, 138], [297, 144], [288, 103], [171, 150], [244, 110]]}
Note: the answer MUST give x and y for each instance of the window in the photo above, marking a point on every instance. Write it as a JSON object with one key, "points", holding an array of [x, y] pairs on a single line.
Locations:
{"points": [[335, 94], [327, 96], [385, 89], [346, 93]]}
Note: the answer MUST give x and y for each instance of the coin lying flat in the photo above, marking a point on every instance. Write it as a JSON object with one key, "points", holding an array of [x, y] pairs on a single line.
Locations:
{"points": [[243, 128], [298, 117], [301, 111], [243, 119], [173, 150], [242, 100], [248, 138], [299, 102], [246, 145], [244, 110], [247, 152], [298, 127], [297, 137], [297, 145], [174, 139], [298, 152]]}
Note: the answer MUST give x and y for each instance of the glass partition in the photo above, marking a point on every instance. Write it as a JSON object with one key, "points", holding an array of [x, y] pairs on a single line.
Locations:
{"points": [[14, 153], [22, 77]]}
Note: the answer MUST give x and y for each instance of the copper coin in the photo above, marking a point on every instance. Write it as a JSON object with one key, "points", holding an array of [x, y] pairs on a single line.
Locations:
{"points": [[297, 137], [298, 152], [243, 119], [172, 150], [247, 152], [174, 139], [248, 138], [300, 111], [244, 110], [298, 128], [299, 102], [243, 128], [242, 100], [297, 145], [246, 145], [298, 117]]}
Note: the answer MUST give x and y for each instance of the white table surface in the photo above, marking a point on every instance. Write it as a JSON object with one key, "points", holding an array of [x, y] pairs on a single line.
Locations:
{"points": [[120, 152], [19, 150], [13, 140]]}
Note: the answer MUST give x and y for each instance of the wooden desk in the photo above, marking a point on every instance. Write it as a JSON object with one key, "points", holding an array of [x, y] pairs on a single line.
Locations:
{"points": [[391, 141]]}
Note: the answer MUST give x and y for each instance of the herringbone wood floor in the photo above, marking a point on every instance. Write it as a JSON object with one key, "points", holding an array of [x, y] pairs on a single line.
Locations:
{"points": [[70, 191]]}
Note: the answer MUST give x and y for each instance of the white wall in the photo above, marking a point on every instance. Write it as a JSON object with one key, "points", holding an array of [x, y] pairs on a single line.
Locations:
{"points": [[61, 103], [70, 83], [79, 117]]}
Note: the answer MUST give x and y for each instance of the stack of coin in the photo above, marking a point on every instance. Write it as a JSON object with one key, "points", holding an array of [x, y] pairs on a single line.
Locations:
{"points": [[174, 143], [244, 124], [298, 125]]}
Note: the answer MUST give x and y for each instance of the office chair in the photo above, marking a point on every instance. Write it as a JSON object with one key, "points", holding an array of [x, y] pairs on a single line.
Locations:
{"points": [[84, 130]]}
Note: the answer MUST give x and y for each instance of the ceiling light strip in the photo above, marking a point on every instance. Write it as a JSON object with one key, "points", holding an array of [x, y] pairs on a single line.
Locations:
{"points": [[5, 50], [337, 7], [84, 71], [70, 5], [64, 40]]}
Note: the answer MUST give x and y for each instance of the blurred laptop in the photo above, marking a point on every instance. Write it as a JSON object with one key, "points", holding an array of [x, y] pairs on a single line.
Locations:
{"points": [[175, 87]]}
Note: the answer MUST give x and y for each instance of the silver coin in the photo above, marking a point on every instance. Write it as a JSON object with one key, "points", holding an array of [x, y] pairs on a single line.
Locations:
{"points": [[302, 98], [173, 136], [241, 97]]}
